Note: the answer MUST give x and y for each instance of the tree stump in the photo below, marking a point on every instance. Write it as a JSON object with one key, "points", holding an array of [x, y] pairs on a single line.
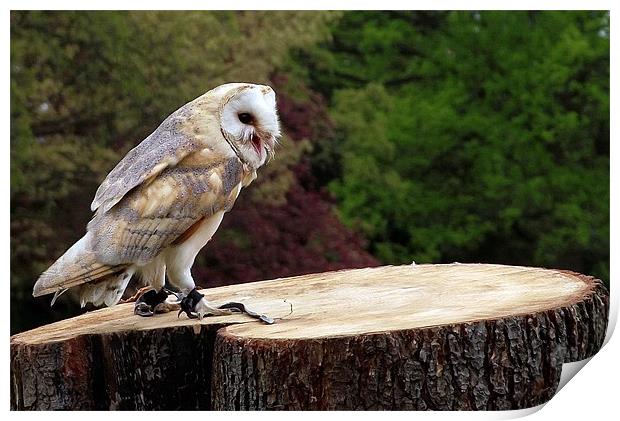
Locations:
{"points": [[440, 337]]}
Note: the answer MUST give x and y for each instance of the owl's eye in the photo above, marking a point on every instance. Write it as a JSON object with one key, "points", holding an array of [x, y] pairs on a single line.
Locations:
{"points": [[245, 118]]}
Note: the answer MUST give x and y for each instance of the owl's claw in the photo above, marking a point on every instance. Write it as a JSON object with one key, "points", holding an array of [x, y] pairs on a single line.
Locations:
{"points": [[143, 309], [188, 304], [241, 308], [148, 302], [197, 307]]}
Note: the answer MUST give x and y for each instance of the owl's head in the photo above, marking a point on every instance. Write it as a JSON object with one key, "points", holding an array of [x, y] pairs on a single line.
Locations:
{"points": [[249, 120]]}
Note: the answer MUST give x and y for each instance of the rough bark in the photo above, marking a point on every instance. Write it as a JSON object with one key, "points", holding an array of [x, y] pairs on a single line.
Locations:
{"points": [[110, 359]]}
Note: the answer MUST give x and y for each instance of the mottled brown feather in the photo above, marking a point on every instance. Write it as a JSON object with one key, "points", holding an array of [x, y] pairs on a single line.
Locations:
{"points": [[167, 210], [172, 141]]}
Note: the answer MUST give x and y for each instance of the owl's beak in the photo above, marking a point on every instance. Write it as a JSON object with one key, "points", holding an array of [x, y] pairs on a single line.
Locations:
{"points": [[256, 143], [263, 144]]}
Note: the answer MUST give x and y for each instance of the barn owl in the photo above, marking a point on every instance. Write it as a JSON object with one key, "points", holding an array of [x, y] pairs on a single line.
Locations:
{"points": [[166, 198]]}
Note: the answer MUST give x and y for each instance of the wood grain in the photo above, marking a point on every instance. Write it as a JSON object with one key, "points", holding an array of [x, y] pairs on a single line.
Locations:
{"points": [[459, 336]]}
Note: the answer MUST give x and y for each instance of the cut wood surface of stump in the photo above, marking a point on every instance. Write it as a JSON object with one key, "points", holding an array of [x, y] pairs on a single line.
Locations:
{"points": [[418, 337]]}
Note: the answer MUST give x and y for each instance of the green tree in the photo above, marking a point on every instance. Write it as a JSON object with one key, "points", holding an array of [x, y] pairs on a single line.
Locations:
{"points": [[472, 136]]}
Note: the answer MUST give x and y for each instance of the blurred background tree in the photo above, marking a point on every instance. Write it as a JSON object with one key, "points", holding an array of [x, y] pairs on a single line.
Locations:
{"points": [[426, 136], [471, 136]]}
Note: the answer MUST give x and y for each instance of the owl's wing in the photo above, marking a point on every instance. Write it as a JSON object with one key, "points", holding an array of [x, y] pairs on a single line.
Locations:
{"points": [[165, 147], [164, 211]]}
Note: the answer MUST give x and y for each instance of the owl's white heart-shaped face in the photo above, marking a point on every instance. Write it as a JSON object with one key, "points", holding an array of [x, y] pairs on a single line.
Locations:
{"points": [[249, 120]]}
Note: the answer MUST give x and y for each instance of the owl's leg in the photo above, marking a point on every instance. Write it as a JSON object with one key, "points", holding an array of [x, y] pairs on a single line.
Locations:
{"points": [[194, 304], [179, 261]]}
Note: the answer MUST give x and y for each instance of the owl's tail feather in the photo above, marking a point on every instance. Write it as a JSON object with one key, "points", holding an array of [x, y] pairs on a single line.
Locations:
{"points": [[76, 267], [108, 290]]}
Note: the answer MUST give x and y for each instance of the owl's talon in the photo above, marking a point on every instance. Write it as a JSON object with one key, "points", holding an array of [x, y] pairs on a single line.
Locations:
{"points": [[143, 309], [189, 314], [233, 307], [197, 307], [148, 301], [189, 303], [241, 308]]}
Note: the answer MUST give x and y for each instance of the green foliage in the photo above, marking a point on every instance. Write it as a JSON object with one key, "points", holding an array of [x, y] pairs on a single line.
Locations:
{"points": [[473, 136]]}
